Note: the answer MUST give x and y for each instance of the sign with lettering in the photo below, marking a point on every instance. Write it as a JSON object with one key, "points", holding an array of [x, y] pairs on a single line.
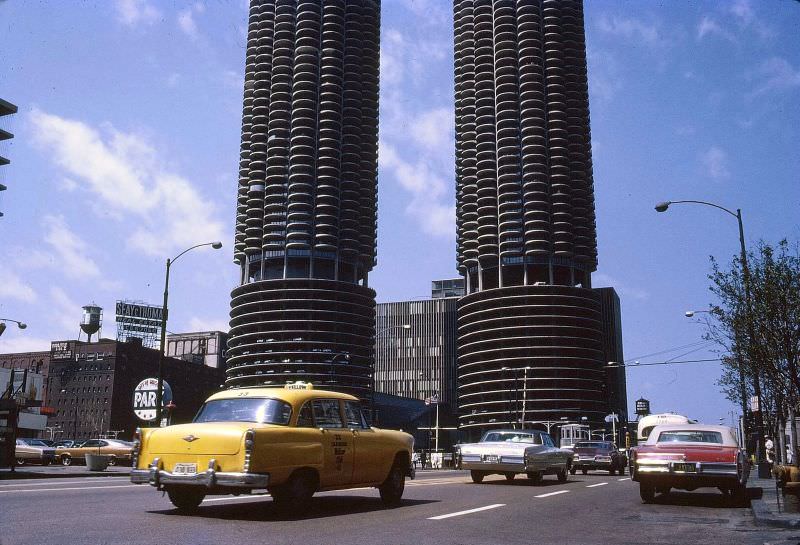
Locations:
{"points": [[144, 398], [139, 320]]}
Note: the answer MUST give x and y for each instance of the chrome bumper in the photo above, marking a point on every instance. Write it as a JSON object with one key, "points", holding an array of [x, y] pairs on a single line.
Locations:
{"points": [[709, 469], [210, 478]]}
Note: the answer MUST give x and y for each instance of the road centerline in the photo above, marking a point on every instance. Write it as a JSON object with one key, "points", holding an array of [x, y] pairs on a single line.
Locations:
{"points": [[625, 479], [468, 511], [593, 485], [551, 494], [68, 488]]}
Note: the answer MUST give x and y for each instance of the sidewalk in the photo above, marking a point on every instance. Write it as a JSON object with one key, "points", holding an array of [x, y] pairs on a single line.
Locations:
{"points": [[59, 471], [770, 508]]}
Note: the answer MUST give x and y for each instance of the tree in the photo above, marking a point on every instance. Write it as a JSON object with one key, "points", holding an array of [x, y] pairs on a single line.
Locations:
{"points": [[771, 358]]}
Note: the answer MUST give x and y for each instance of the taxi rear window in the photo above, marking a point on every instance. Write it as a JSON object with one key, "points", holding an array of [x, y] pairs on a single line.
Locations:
{"points": [[688, 436], [252, 409]]}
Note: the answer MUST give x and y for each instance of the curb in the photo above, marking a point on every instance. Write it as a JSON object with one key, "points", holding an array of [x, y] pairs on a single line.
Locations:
{"points": [[764, 516], [21, 475]]}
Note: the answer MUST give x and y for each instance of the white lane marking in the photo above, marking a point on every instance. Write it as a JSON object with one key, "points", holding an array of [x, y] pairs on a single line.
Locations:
{"points": [[99, 480], [69, 488], [468, 511], [625, 479], [598, 484], [551, 494], [250, 497]]}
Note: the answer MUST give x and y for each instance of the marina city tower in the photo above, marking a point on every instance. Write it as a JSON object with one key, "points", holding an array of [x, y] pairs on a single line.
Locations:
{"points": [[306, 208], [530, 339]]}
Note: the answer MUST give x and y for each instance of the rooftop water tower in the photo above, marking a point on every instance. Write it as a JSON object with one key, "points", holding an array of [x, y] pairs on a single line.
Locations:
{"points": [[92, 320]]}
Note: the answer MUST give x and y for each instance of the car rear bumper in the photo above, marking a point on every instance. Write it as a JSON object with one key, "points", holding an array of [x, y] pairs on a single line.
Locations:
{"points": [[210, 478], [705, 474]]}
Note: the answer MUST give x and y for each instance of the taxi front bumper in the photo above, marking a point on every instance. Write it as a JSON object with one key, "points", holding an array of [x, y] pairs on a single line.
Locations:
{"points": [[210, 478]]}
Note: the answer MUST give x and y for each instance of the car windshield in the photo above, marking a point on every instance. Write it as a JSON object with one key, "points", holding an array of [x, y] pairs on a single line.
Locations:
{"points": [[36, 443], [512, 437], [690, 436], [588, 444], [259, 410]]}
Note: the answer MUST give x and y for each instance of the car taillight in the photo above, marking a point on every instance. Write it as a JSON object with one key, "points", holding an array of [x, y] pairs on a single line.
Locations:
{"points": [[249, 443]]}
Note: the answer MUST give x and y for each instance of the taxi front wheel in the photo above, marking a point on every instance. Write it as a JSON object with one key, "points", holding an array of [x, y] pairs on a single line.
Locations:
{"points": [[185, 498], [392, 488]]}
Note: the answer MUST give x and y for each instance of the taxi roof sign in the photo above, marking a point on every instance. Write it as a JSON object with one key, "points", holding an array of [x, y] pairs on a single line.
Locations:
{"points": [[299, 385]]}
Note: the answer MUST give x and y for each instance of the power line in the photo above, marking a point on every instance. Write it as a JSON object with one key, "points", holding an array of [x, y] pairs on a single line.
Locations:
{"points": [[662, 363]]}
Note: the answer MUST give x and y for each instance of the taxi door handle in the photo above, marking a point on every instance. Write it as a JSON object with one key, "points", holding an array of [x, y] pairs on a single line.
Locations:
{"points": [[355, 431]]}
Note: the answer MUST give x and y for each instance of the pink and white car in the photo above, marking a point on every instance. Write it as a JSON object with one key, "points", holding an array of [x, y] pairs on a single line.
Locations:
{"points": [[688, 457]]}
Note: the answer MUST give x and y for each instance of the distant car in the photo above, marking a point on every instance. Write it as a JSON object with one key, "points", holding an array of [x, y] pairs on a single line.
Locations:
{"points": [[118, 451], [688, 457], [292, 441], [33, 451], [510, 452], [602, 455]]}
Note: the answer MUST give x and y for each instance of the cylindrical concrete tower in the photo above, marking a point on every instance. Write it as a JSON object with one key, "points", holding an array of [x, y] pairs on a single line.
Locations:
{"points": [[529, 328], [306, 208]]}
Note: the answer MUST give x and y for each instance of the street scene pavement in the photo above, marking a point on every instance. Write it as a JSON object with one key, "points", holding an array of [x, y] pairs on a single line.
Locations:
{"points": [[441, 507]]}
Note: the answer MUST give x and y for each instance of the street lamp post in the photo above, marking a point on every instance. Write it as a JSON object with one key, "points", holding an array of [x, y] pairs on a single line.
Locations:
{"points": [[662, 207], [21, 325], [165, 312], [345, 355]]}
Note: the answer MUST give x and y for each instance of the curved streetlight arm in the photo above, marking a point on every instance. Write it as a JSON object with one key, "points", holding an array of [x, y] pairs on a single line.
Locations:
{"points": [[21, 325], [667, 203], [216, 245]]}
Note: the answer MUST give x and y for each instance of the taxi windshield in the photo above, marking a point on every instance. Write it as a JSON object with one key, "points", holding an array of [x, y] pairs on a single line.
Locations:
{"points": [[259, 410]]}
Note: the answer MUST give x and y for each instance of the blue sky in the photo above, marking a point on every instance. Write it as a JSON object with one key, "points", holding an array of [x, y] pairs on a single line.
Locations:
{"points": [[127, 139]]}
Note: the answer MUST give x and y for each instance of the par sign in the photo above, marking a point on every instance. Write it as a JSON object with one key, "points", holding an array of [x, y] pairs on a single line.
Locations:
{"points": [[144, 398]]}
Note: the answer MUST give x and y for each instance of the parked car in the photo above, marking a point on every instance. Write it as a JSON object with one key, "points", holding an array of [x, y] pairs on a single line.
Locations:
{"points": [[33, 451], [509, 452], [688, 457], [602, 455], [118, 451], [66, 443], [292, 441]]}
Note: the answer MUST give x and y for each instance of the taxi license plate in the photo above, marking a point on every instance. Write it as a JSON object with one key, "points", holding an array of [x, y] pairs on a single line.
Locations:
{"points": [[686, 468], [185, 469], [491, 459]]}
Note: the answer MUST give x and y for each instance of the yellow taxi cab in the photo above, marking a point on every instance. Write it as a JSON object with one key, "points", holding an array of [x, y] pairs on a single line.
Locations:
{"points": [[292, 441]]}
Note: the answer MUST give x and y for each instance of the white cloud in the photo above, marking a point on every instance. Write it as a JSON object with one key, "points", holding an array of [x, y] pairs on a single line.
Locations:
{"points": [[64, 312], [776, 74], [434, 128], [186, 20], [13, 287], [632, 29], [70, 249], [715, 162], [173, 80], [624, 291], [709, 27], [427, 191], [127, 174], [202, 324], [743, 11], [186, 23], [133, 12]]}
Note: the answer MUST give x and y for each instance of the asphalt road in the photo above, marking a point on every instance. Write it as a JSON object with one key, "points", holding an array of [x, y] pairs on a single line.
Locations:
{"points": [[442, 507]]}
